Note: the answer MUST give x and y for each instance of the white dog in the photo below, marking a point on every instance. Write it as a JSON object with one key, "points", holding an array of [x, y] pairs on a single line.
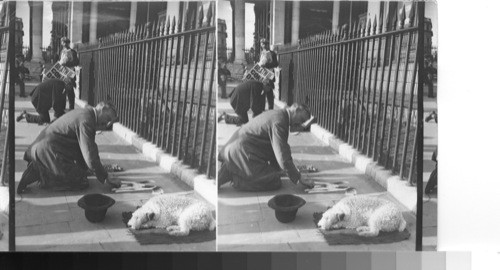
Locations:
{"points": [[178, 214], [368, 215]]}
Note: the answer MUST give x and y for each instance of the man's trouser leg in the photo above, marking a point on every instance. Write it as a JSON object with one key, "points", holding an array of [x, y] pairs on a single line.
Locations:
{"points": [[74, 179], [236, 120], [22, 92], [59, 106], [30, 176], [224, 175], [42, 117], [266, 178], [270, 99], [70, 92]]}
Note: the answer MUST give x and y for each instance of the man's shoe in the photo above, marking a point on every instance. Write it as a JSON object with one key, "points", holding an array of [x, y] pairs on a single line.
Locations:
{"points": [[221, 117], [21, 116], [224, 176], [30, 176]]}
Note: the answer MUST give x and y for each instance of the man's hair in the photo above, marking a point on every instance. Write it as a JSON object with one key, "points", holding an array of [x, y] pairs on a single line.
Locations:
{"points": [[65, 40], [301, 108], [108, 108]]}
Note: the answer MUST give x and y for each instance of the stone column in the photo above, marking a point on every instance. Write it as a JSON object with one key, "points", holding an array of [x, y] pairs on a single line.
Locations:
{"points": [[133, 16], [76, 30], [278, 37], [37, 30], [239, 26], [93, 22], [335, 15], [295, 22]]}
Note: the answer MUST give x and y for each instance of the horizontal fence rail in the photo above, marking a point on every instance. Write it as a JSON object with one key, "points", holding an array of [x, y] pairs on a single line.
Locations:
{"points": [[360, 82], [161, 79]]}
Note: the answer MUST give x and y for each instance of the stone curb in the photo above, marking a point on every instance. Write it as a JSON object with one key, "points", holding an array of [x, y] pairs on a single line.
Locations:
{"points": [[406, 195], [202, 185]]}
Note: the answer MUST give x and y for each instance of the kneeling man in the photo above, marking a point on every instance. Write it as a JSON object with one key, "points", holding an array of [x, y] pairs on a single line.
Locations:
{"points": [[247, 95], [63, 152], [256, 155], [48, 94]]}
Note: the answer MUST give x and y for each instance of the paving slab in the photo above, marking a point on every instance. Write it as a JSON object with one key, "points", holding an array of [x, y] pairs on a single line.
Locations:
{"points": [[246, 223], [52, 221]]}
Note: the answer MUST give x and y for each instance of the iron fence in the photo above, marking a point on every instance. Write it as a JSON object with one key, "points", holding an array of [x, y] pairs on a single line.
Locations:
{"points": [[161, 78], [360, 83]]}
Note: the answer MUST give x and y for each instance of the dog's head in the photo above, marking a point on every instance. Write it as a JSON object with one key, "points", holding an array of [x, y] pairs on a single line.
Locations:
{"points": [[139, 218], [331, 217]]}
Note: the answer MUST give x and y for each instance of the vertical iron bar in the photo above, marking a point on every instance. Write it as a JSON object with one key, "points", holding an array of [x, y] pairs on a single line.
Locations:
{"points": [[401, 109], [393, 104], [373, 120], [131, 80], [200, 99], [209, 102], [145, 84], [323, 87], [193, 88], [177, 114], [362, 89], [168, 110], [211, 154], [420, 126], [11, 130], [386, 103], [163, 67], [151, 85], [328, 88], [170, 142], [343, 88], [408, 120], [352, 86], [134, 110], [380, 106], [184, 103], [127, 87], [335, 88], [369, 90]]}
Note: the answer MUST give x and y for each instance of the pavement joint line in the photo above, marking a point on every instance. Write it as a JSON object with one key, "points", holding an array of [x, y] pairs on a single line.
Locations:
{"points": [[200, 183], [397, 187]]}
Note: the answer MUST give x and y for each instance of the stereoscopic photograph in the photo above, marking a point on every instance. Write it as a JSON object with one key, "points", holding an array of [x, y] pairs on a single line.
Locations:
{"points": [[113, 106], [321, 139]]}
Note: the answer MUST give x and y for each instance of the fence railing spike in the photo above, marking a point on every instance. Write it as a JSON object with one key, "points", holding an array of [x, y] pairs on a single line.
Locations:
{"points": [[209, 15], [411, 14], [173, 25], [401, 17], [200, 17], [381, 24], [374, 27], [368, 27], [167, 27]]}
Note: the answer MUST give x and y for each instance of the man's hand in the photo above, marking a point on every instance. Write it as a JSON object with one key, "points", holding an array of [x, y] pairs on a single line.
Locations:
{"points": [[113, 182], [309, 183]]}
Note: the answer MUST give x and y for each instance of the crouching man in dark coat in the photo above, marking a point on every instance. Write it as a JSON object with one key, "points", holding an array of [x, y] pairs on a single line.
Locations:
{"points": [[62, 154], [48, 94], [256, 155], [247, 95]]}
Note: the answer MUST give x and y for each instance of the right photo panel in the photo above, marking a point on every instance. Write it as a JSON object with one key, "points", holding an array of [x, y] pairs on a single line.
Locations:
{"points": [[327, 125]]}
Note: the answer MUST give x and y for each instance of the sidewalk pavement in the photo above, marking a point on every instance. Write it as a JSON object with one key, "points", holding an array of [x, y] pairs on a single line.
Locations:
{"points": [[52, 221], [246, 222]]}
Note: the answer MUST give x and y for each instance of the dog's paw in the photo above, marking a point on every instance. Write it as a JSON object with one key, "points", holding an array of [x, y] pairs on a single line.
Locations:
{"points": [[362, 229], [176, 231], [366, 232], [337, 226]]}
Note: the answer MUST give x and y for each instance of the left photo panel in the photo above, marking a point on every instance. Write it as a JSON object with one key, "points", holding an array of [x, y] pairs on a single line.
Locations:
{"points": [[108, 134]]}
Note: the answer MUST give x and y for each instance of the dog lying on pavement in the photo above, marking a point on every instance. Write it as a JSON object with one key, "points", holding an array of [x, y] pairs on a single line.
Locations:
{"points": [[368, 215], [177, 214]]}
